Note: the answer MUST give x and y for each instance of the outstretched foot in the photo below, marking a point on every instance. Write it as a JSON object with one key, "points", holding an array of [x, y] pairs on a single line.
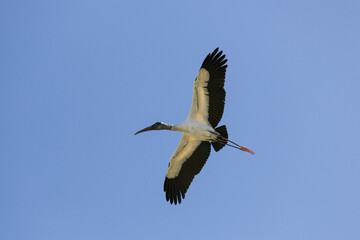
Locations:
{"points": [[246, 149]]}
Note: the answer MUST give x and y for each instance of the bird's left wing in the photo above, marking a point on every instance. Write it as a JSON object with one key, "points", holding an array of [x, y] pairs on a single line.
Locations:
{"points": [[186, 162], [208, 91]]}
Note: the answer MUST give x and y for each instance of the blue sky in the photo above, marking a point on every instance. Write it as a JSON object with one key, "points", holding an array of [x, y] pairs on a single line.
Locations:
{"points": [[79, 78]]}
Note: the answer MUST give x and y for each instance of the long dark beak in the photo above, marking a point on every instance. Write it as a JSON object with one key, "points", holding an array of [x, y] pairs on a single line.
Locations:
{"points": [[145, 130]]}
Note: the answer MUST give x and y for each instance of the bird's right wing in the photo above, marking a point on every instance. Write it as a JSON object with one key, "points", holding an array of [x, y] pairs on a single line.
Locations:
{"points": [[186, 162]]}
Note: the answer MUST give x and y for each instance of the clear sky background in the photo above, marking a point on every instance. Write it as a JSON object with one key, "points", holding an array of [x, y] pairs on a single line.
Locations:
{"points": [[79, 78]]}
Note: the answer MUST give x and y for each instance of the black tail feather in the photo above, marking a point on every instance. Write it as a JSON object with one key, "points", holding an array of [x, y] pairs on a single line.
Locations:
{"points": [[223, 139]]}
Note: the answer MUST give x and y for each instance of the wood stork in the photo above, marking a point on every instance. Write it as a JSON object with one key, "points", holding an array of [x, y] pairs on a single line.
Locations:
{"points": [[199, 129]]}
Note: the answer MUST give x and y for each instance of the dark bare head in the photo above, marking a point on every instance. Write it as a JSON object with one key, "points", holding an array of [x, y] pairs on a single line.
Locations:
{"points": [[156, 126]]}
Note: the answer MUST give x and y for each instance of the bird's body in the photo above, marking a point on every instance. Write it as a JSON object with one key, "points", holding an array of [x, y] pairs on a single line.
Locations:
{"points": [[196, 129], [200, 129]]}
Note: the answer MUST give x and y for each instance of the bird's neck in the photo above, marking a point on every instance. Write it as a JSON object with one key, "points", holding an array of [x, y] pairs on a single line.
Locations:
{"points": [[181, 127], [165, 126]]}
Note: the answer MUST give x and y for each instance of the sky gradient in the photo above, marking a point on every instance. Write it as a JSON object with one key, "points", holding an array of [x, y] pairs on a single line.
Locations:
{"points": [[79, 78]]}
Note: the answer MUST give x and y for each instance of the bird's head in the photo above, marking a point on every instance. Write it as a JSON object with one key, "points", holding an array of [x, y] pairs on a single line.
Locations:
{"points": [[156, 126]]}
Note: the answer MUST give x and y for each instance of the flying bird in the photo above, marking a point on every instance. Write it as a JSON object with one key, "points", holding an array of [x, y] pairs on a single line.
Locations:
{"points": [[199, 129]]}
